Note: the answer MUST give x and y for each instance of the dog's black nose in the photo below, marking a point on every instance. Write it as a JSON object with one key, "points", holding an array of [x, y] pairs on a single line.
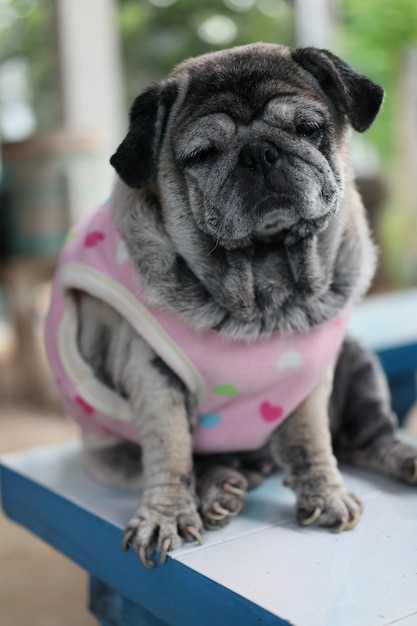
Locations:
{"points": [[258, 154]]}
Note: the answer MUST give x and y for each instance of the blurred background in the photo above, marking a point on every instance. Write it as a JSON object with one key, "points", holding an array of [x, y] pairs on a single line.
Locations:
{"points": [[69, 70]]}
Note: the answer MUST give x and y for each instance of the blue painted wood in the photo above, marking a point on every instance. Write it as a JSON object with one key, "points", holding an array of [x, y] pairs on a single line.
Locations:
{"points": [[112, 609], [387, 325], [399, 361], [173, 593], [403, 395]]}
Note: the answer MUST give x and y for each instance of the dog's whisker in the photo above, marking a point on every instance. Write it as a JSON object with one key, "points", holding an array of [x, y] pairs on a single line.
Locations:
{"points": [[340, 221], [214, 248], [334, 214]]}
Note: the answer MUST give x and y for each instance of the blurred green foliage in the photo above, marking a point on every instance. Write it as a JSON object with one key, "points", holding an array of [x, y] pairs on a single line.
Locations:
{"points": [[373, 37], [155, 38]]}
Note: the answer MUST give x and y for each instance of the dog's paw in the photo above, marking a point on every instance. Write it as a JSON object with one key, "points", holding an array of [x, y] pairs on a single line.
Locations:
{"points": [[335, 509], [401, 460], [408, 470], [222, 492], [163, 524]]}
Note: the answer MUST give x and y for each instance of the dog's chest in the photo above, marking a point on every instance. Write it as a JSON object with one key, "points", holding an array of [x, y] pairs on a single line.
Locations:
{"points": [[250, 388], [243, 389]]}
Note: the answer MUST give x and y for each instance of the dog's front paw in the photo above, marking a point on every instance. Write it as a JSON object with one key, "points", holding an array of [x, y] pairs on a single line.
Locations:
{"points": [[222, 492], [162, 522], [332, 508]]}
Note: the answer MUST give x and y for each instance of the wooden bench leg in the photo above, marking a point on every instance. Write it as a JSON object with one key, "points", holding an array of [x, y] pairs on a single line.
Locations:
{"points": [[112, 609]]}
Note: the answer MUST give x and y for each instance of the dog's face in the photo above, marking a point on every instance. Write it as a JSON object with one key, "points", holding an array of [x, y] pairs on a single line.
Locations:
{"points": [[251, 140], [232, 172], [255, 169]]}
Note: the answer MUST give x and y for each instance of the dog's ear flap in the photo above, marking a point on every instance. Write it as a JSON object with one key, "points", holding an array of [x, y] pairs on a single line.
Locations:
{"points": [[357, 96], [135, 159]]}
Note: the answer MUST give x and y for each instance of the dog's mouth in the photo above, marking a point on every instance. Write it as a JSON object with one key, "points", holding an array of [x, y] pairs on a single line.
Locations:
{"points": [[274, 223], [275, 226], [290, 231]]}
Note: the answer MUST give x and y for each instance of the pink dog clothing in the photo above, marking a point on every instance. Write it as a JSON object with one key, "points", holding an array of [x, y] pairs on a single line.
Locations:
{"points": [[244, 389]]}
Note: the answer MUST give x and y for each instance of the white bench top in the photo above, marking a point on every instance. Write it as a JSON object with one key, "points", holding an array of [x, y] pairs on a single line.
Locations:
{"points": [[262, 569], [386, 320]]}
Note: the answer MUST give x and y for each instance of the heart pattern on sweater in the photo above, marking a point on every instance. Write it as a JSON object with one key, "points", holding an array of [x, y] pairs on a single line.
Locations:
{"points": [[270, 412], [93, 238]]}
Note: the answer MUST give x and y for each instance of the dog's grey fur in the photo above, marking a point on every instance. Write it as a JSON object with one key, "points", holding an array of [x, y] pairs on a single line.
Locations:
{"points": [[236, 200]]}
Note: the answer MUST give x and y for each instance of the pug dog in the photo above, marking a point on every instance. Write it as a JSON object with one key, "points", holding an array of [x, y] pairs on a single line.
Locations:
{"points": [[198, 320]]}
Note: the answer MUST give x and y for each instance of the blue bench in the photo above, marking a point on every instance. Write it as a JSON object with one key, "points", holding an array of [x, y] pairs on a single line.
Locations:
{"points": [[387, 324], [263, 569]]}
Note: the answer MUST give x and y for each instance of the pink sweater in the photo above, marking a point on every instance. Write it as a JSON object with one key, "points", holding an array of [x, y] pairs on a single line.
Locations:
{"points": [[244, 389]]}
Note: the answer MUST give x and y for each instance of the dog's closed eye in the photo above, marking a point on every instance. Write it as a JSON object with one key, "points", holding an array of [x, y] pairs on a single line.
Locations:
{"points": [[197, 156], [310, 129], [314, 132]]}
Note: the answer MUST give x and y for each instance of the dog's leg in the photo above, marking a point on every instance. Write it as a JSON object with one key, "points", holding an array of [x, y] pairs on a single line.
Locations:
{"points": [[167, 513], [161, 409], [386, 455], [362, 422], [303, 446]]}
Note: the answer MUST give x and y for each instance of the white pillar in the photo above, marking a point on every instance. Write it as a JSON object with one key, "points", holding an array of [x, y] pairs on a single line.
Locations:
{"points": [[91, 79], [313, 23]]}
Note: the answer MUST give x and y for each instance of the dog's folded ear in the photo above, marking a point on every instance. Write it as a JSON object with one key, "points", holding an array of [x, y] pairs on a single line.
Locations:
{"points": [[357, 96], [135, 158]]}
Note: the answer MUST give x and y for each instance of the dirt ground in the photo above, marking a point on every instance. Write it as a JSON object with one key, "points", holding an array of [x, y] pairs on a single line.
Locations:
{"points": [[38, 586]]}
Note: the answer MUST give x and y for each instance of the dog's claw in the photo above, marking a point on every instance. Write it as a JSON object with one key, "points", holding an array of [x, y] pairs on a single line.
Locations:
{"points": [[358, 502], [215, 517], [144, 559], [194, 533], [127, 539], [313, 517], [241, 493], [353, 521], [217, 508], [166, 544], [209, 526], [220, 513], [341, 526]]}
